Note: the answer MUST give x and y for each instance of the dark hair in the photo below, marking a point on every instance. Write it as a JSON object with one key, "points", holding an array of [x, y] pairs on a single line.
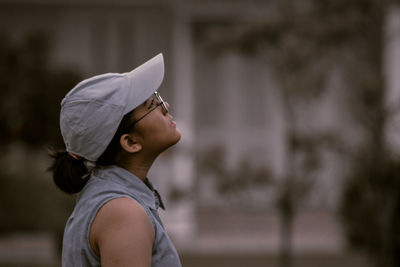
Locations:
{"points": [[71, 174], [109, 155]]}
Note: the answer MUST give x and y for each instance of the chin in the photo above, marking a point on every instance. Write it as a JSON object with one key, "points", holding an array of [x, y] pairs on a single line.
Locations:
{"points": [[174, 139], [177, 137], [179, 134]]}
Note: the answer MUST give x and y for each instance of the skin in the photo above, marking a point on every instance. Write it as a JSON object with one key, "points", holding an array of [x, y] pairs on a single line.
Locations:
{"points": [[121, 233]]}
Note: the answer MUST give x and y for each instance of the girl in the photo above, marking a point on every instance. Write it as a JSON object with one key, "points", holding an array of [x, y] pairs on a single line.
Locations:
{"points": [[114, 126]]}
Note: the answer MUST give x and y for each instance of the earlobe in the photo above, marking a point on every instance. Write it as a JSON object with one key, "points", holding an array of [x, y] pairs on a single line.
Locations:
{"points": [[130, 144]]}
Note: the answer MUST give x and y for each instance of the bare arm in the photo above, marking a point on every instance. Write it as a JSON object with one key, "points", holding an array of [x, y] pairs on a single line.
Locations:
{"points": [[122, 234]]}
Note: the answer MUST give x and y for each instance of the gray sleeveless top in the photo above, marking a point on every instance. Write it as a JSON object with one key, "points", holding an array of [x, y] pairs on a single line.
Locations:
{"points": [[105, 184]]}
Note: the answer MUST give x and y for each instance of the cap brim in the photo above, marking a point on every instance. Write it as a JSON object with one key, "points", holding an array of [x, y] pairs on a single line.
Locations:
{"points": [[144, 81]]}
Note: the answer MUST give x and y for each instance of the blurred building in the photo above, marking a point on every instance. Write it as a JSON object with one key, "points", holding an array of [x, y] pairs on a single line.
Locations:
{"points": [[226, 103]]}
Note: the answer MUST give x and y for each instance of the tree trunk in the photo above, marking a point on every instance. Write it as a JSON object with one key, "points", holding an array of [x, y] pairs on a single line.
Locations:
{"points": [[286, 250], [286, 206]]}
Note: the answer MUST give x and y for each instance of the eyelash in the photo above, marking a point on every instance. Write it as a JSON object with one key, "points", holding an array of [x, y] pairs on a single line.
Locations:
{"points": [[151, 104]]}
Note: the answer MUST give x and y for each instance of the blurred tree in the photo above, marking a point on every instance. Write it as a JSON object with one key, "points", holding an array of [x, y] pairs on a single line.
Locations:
{"points": [[303, 41], [371, 208], [236, 184], [31, 90], [29, 200]]}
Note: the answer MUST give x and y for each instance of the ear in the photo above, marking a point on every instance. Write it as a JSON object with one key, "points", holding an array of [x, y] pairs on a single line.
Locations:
{"points": [[129, 143]]}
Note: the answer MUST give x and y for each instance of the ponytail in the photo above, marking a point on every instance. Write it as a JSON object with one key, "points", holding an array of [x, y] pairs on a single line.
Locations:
{"points": [[69, 173]]}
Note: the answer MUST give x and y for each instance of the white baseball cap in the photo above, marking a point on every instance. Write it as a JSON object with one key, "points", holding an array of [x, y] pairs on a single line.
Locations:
{"points": [[92, 111]]}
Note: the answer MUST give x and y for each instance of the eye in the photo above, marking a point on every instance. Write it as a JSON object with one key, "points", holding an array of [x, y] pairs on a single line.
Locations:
{"points": [[151, 104]]}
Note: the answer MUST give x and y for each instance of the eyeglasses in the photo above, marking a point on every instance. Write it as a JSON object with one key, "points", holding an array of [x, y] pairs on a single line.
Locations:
{"points": [[160, 102]]}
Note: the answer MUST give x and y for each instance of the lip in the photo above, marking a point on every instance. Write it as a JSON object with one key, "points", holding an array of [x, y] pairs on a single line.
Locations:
{"points": [[173, 123]]}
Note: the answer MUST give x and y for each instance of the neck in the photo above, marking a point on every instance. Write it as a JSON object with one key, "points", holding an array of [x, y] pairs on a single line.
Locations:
{"points": [[139, 167]]}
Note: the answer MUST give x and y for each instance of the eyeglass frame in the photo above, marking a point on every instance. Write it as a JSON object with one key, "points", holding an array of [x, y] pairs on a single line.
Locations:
{"points": [[161, 103]]}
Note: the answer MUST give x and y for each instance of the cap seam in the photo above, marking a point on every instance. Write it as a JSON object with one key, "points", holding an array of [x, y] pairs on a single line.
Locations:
{"points": [[71, 102]]}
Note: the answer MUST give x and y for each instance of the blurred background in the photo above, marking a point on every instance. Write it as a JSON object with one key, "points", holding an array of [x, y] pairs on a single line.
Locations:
{"points": [[289, 112]]}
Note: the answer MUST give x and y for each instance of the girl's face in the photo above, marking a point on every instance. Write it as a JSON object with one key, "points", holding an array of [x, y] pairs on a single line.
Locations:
{"points": [[155, 126]]}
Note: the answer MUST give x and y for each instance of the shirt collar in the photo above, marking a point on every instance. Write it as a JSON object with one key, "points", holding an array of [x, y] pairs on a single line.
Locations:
{"points": [[159, 202], [144, 189]]}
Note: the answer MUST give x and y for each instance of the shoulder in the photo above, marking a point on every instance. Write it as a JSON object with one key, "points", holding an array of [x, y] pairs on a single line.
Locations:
{"points": [[120, 212], [121, 208], [121, 222]]}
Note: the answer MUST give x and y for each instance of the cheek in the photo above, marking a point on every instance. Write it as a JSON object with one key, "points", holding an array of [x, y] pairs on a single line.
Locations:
{"points": [[161, 133], [165, 132]]}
